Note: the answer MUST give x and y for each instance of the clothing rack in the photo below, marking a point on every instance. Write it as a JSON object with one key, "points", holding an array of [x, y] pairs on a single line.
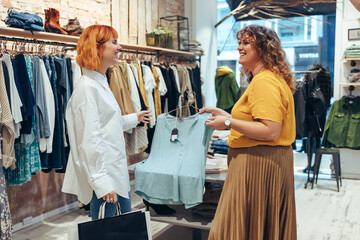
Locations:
{"points": [[35, 41], [309, 71], [69, 43], [309, 137]]}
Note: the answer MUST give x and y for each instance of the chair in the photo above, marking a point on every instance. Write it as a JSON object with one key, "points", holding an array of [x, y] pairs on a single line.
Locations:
{"points": [[336, 160]]}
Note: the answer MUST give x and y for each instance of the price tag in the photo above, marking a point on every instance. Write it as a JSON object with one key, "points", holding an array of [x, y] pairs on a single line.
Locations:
{"points": [[174, 135]]}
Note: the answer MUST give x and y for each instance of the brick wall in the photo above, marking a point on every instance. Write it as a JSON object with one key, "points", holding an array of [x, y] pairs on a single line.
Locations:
{"points": [[87, 11]]}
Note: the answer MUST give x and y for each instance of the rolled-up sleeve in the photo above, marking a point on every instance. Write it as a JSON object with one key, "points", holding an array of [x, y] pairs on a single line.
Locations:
{"points": [[129, 121], [90, 146]]}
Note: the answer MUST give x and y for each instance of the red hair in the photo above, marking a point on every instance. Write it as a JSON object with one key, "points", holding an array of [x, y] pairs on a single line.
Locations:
{"points": [[91, 40]]}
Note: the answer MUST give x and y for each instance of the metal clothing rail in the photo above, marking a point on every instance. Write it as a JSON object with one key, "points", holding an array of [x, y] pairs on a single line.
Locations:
{"points": [[72, 40], [35, 41], [311, 71]]}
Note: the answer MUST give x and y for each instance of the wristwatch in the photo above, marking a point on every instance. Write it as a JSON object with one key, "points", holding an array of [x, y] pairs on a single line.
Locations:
{"points": [[227, 123]]}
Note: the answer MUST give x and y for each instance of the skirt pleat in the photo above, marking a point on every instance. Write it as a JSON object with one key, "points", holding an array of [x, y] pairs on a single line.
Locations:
{"points": [[258, 197]]}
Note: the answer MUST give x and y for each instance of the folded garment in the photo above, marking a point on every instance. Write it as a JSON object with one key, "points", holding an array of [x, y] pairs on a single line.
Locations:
{"points": [[24, 20], [223, 134], [221, 151], [219, 146], [219, 142], [354, 77]]}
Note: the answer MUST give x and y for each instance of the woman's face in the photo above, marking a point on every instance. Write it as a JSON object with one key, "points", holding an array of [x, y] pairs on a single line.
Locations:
{"points": [[248, 55], [110, 55]]}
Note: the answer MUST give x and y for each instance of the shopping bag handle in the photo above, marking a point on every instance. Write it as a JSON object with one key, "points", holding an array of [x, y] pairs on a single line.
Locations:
{"points": [[102, 210]]}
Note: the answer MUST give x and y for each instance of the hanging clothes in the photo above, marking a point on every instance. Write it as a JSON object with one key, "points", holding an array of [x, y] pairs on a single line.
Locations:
{"points": [[150, 84], [173, 93], [157, 98], [22, 81], [198, 87], [7, 126], [70, 75], [162, 86], [27, 155], [134, 93], [63, 97], [7, 82], [137, 72], [186, 92], [174, 173], [226, 88], [342, 127], [46, 144], [53, 160], [136, 139], [120, 90], [41, 110], [5, 216], [15, 101], [64, 79], [300, 104]]}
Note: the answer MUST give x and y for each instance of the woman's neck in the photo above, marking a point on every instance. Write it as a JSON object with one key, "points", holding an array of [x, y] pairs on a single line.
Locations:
{"points": [[102, 70], [258, 69]]}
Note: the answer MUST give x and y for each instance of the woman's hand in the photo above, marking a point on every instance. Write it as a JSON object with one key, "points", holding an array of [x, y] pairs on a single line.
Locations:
{"points": [[214, 111], [110, 197], [217, 122], [144, 116]]}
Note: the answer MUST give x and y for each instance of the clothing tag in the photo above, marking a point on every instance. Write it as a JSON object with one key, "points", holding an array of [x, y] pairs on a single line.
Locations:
{"points": [[174, 135]]}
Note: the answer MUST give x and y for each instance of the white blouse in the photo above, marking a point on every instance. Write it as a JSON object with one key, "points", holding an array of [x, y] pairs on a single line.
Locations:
{"points": [[97, 160]]}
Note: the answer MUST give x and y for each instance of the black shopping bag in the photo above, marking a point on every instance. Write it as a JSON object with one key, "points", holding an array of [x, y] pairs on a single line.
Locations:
{"points": [[129, 226]]}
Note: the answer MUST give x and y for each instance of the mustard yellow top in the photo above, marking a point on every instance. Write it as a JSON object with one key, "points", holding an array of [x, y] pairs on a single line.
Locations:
{"points": [[268, 97]]}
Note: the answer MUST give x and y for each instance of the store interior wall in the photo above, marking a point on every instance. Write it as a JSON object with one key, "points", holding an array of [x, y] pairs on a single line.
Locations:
{"points": [[134, 18], [203, 15], [88, 12], [347, 17]]}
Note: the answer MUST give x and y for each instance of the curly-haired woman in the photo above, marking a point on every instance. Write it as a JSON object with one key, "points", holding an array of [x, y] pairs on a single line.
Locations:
{"points": [[97, 167], [258, 198]]}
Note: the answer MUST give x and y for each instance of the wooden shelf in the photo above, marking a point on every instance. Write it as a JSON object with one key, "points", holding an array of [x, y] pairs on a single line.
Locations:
{"points": [[350, 59], [349, 84], [17, 32]]}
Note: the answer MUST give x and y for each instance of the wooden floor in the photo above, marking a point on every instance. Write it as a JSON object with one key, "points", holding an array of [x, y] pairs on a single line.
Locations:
{"points": [[322, 212]]}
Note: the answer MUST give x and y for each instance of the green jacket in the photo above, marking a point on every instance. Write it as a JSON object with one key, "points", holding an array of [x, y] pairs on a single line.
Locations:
{"points": [[342, 127], [226, 89]]}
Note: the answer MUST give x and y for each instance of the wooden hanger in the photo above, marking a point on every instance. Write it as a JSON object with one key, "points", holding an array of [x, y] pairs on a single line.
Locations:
{"points": [[188, 105]]}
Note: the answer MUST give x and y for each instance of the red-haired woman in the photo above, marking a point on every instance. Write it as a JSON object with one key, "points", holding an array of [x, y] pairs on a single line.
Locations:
{"points": [[97, 167], [258, 198]]}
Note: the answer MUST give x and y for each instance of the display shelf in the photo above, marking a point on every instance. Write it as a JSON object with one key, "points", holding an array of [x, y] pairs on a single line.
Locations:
{"points": [[16, 32], [350, 59], [349, 84]]}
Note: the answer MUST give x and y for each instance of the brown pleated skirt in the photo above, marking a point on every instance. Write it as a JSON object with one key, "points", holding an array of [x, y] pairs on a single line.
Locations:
{"points": [[258, 198]]}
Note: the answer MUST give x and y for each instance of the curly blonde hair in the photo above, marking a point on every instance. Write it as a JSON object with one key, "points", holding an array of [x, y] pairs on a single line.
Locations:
{"points": [[268, 47]]}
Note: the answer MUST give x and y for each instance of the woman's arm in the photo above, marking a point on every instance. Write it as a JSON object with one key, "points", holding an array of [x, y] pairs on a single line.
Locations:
{"points": [[214, 111], [262, 130]]}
